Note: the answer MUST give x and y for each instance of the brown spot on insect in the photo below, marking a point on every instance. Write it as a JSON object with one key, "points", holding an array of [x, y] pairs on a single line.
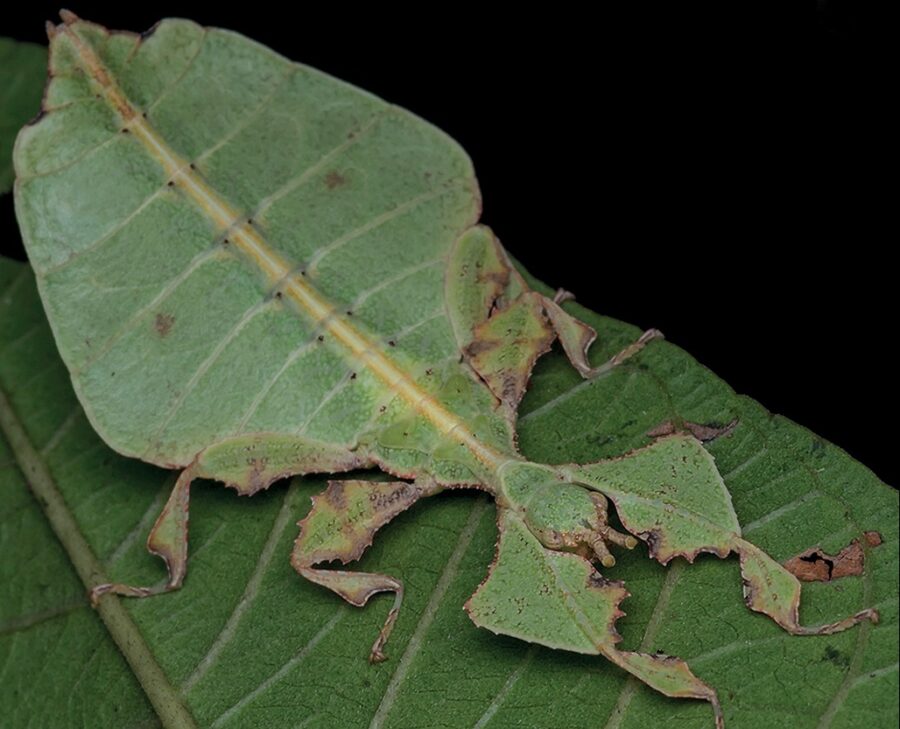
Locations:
{"points": [[334, 494], [163, 324], [595, 579], [500, 278], [479, 346], [654, 541], [334, 180], [256, 476]]}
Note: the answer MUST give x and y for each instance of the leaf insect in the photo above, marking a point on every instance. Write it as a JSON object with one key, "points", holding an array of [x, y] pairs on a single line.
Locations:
{"points": [[157, 253]]}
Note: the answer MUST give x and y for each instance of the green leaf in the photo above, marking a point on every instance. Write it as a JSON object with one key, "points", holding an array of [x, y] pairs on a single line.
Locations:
{"points": [[247, 642], [22, 71], [252, 271]]}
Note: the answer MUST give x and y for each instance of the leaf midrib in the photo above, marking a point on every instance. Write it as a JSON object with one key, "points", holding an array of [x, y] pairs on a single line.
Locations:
{"points": [[170, 708]]}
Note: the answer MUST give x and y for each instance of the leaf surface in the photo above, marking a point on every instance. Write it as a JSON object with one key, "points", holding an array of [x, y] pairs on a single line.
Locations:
{"points": [[23, 67], [246, 642]]}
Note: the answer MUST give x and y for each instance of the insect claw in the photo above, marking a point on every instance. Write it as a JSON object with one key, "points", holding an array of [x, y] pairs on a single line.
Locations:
{"points": [[126, 590], [376, 655]]}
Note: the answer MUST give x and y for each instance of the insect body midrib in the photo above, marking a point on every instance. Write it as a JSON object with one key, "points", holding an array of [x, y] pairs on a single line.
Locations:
{"points": [[255, 249]]}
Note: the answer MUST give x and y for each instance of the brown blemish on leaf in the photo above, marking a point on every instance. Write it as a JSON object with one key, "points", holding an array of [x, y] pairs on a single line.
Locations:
{"points": [[832, 655], [702, 432], [814, 565], [334, 180], [873, 539], [810, 567], [163, 324]]}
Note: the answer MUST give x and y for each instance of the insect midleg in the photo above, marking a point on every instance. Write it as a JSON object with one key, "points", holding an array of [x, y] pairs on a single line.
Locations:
{"points": [[340, 526]]}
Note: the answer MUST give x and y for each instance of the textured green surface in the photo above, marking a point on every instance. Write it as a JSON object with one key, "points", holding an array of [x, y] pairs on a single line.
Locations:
{"points": [[340, 183], [244, 263], [251, 644], [23, 67]]}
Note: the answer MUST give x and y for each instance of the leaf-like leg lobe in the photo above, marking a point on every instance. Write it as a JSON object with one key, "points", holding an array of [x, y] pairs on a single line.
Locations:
{"points": [[770, 589], [251, 462], [340, 526], [168, 539], [557, 599], [668, 675], [671, 495]]}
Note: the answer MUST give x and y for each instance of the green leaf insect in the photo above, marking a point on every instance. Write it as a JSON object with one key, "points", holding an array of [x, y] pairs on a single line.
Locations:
{"points": [[253, 270]]}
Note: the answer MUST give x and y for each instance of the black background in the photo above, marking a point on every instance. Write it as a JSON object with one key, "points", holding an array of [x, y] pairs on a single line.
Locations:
{"points": [[715, 174]]}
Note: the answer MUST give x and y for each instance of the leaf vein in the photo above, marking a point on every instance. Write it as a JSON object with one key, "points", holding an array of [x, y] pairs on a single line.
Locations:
{"points": [[250, 592], [428, 614]]}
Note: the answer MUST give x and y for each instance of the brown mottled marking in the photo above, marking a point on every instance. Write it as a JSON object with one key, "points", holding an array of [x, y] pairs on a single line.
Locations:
{"points": [[653, 540], [702, 432], [334, 179], [595, 579], [256, 476], [873, 539], [814, 565], [163, 324], [334, 495], [501, 278], [479, 346]]}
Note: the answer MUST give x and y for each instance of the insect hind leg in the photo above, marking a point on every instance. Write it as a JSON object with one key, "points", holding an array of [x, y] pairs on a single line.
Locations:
{"points": [[248, 463], [168, 539], [340, 526]]}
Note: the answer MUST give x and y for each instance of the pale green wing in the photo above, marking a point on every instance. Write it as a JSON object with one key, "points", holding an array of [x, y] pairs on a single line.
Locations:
{"points": [[210, 223]]}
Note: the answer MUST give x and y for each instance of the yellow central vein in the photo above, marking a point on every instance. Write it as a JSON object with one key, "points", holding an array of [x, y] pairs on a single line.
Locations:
{"points": [[254, 247]]}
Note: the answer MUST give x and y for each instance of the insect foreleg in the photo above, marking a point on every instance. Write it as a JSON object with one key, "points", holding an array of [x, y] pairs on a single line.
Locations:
{"points": [[576, 338]]}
